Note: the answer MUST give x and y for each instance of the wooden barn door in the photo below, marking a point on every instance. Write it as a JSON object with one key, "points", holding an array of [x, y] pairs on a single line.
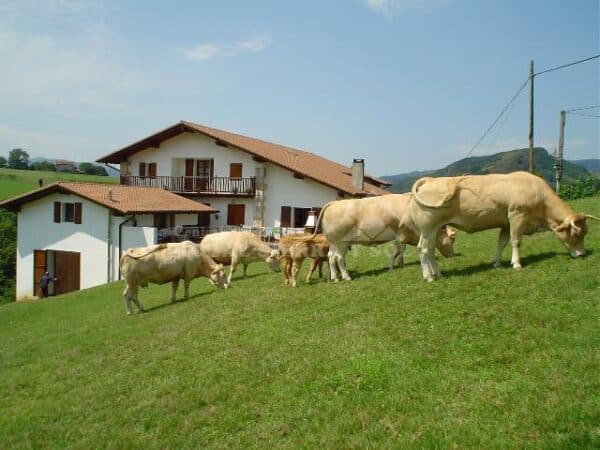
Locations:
{"points": [[67, 271], [39, 268]]}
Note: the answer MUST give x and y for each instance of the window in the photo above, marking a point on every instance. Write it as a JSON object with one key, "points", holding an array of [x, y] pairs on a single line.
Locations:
{"points": [[57, 212], [300, 217], [236, 214], [152, 170], [68, 212], [286, 216], [143, 169], [163, 220]]}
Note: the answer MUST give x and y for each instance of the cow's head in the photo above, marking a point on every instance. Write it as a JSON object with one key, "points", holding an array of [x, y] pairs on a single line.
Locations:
{"points": [[217, 277], [571, 232], [273, 261], [445, 241]]}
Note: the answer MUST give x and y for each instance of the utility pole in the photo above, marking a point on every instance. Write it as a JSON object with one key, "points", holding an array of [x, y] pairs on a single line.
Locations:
{"points": [[531, 75], [559, 153]]}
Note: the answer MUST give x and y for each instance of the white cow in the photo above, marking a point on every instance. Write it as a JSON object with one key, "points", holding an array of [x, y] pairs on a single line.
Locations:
{"points": [[518, 203], [165, 263], [373, 221], [235, 247]]}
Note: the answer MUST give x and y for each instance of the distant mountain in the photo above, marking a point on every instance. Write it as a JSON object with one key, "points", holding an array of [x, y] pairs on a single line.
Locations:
{"points": [[592, 165], [503, 162]]}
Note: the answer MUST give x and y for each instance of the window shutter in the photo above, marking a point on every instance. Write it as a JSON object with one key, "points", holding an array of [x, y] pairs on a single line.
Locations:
{"points": [[156, 223], [142, 169], [172, 220], [57, 211], [152, 170], [212, 168], [77, 212], [286, 216]]}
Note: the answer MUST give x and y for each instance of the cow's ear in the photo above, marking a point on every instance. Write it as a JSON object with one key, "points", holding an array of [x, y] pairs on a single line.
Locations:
{"points": [[451, 232]]}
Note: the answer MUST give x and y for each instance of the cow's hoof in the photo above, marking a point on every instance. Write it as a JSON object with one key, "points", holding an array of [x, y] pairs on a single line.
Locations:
{"points": [[517, 266], [128, 313], [496, 264], [347, 278]]}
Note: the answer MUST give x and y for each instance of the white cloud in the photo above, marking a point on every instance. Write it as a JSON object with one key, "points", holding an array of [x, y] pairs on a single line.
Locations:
{"points": [[388, 7], [208, 51]]}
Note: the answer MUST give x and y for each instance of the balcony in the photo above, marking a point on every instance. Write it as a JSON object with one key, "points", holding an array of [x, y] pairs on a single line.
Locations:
{"points": [[240, 187]]}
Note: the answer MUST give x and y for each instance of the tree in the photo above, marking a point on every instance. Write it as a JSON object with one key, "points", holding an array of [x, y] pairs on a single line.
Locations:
{"points": [[92, 169], [44, 165], [2, 162], [18, 159], [8, 252]]}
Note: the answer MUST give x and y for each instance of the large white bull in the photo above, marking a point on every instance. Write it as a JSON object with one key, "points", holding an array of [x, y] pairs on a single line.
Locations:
{"points": [[164, 263], [518, 203], [235, 247], [374, 221]]}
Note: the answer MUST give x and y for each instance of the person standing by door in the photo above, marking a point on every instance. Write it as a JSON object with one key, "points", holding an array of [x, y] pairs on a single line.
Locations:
{"points": [[45, 282]]}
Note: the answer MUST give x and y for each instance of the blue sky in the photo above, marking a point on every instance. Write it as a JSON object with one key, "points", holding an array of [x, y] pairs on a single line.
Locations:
{"points": [[405, 84]]}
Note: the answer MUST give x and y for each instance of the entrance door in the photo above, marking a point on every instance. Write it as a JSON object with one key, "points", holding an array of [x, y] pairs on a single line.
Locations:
{"points": [[39, 268], [236, 214], [67, 271], [203, 174], [189, 175]]}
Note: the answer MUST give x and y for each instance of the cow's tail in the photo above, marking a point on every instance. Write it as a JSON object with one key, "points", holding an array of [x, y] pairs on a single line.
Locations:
{"points": [[318, 224], [441, 202], [149, 250], [592, 217]]}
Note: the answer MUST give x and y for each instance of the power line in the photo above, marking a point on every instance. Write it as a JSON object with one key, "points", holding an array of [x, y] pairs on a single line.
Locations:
{"points": [[499, 116], [581, 109], [567, 65], [582, 114]]}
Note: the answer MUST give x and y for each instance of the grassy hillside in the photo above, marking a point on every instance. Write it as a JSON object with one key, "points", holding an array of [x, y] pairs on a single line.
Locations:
{"points": [[14, 182], [485, 358], [503, 162]]}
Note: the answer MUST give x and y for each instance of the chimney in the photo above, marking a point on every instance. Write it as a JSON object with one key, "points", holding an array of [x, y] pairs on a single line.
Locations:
{"points": [[110, 197], [358, 174]]}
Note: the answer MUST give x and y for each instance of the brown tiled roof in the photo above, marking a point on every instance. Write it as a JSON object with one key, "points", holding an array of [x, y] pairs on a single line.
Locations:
{"points": [[305, 163], [125, 199]]}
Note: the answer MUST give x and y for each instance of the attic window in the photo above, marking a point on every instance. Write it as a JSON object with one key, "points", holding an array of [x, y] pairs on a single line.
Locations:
{"points": [[298, 175], [220, 143]]}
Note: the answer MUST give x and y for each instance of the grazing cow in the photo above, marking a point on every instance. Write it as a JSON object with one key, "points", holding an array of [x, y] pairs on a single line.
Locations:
{"points": [[235, 247], [518, 203], [165, 263], [294, 248], [374, 221]]}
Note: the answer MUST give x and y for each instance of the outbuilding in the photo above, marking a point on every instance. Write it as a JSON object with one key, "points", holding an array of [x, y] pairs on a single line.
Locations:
{"points": [[78, 231]]}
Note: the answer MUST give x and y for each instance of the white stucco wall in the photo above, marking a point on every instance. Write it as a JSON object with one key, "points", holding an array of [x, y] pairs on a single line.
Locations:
{"points": [[170, 156], [282, 189]]}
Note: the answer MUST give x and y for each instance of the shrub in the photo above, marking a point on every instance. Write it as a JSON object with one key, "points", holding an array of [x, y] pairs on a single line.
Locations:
{"points": [[581, 188]]}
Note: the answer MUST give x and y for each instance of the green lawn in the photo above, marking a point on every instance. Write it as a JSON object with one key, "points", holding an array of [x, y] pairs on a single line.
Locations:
{"points": [[14, 182], [485, 358]]}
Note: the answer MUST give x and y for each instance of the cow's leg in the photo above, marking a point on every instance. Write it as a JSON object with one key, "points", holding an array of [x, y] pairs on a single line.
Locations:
{"points": [[234, 263], [133, 295], [186, 286], [398, 253], [314, 263], [333, 270], [427, 256], [341, 262], [174, 286], [321, 260], [502, 241], [296, 264], [126, 300], [516, 234], [245, 266]]}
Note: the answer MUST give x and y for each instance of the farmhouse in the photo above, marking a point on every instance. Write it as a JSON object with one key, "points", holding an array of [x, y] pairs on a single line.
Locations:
{"points": [[78, 231], [250, 181]]}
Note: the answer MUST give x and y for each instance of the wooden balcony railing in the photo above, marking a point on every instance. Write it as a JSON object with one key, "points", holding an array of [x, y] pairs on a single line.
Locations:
{"points": [[200, 185]]}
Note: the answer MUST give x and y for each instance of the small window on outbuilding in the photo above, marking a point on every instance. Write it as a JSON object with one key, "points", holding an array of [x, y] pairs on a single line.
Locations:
{"points": [[69, 212]]}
